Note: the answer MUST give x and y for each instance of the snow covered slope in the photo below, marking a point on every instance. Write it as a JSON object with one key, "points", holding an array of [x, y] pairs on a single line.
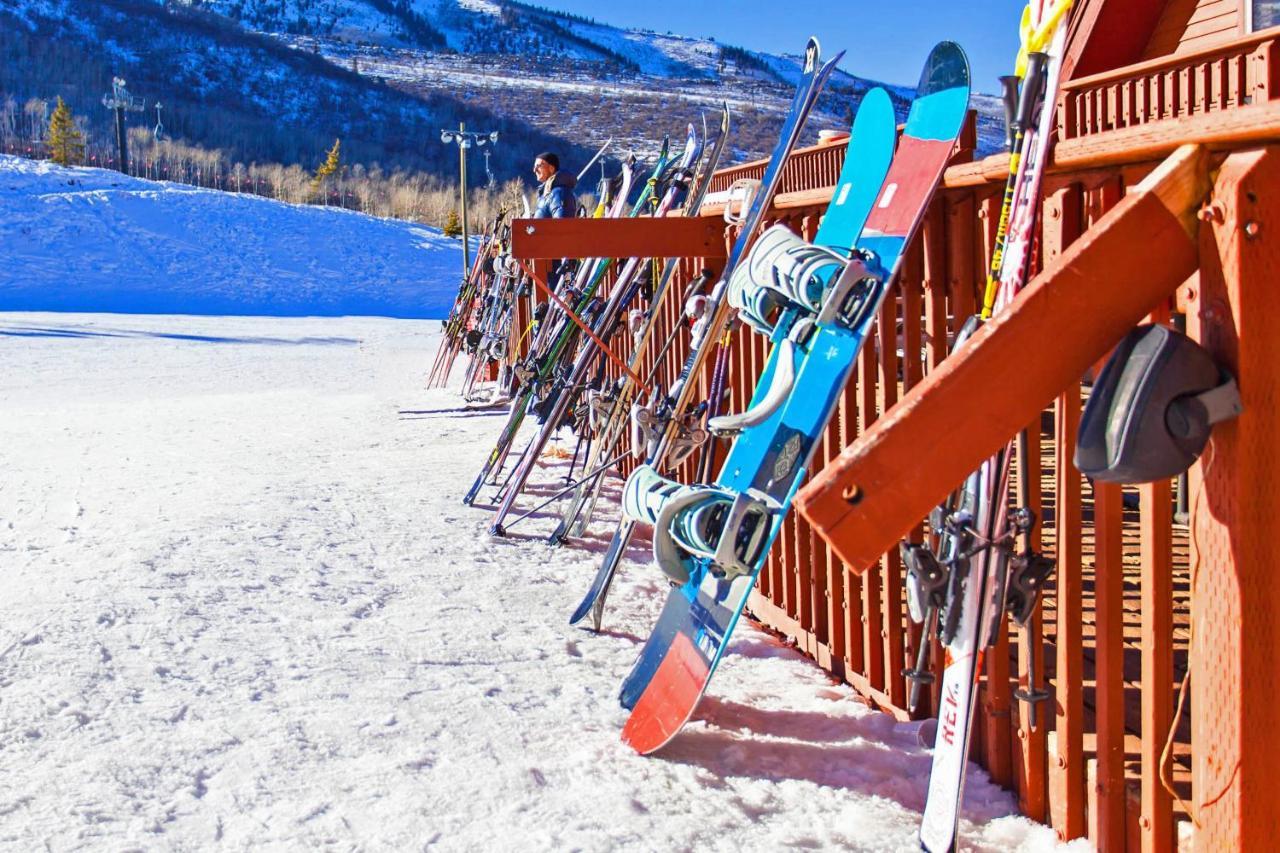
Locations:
{"points": [[244, 609], [94, 240]]}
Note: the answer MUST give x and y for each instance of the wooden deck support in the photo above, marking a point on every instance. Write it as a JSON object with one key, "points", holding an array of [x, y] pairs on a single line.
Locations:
{"points": [[641, 237], [882, 485], [1235, 520]]}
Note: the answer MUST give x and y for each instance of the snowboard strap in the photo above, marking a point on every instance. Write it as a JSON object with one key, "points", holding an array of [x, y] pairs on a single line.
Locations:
{"points": [[698, 522], [782, 271]]}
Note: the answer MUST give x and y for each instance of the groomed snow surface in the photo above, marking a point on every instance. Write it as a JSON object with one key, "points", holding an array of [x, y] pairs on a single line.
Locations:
{"points": [[245, 607]]}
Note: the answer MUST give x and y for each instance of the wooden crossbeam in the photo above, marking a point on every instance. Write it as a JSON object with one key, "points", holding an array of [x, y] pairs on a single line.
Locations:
{"points": [[641, 237], [1068, 318], [1219, 131]]}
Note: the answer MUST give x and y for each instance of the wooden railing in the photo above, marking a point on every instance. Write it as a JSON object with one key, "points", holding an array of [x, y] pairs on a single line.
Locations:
{"points": [[1109, 658], [1226, 77], [1109, 759], [817, 167]]}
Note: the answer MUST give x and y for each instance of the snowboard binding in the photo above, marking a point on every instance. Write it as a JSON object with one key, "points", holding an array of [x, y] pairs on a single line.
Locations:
{"points": [[725, 530], [782, 271]]}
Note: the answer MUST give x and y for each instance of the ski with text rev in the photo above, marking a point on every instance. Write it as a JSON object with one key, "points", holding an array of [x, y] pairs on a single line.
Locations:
{"points": [[984, 565]]}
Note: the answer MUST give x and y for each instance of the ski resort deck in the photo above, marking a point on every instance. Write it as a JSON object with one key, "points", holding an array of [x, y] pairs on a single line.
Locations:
{"points": [[1159, 205]]}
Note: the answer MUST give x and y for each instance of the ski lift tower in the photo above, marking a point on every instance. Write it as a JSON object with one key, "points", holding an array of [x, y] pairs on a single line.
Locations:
{"points": [[490, 180], [466, 140], [121, 101]]}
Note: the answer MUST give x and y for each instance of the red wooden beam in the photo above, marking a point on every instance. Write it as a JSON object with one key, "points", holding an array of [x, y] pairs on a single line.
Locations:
{"points": [[672, 237], [1067, 319]]}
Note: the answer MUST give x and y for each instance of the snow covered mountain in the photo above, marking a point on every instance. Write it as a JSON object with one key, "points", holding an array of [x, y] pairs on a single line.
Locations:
{"points": [[278, 80], [95, 240], [249, 95], [551, 69]]}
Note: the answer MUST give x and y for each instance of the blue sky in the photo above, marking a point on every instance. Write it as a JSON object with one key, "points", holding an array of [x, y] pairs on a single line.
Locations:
{"points": [[884, 40]]}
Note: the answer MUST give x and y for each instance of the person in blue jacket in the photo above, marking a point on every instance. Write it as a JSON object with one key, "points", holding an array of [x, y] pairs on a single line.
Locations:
{"points": [[555, 190]]}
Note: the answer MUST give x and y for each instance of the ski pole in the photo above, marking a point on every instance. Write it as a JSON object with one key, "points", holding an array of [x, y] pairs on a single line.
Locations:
{"points": [[593, 160], [502, 529]]}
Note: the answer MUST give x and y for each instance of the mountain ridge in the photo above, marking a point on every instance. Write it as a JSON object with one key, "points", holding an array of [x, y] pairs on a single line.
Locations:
{"points": [[278, 80]]}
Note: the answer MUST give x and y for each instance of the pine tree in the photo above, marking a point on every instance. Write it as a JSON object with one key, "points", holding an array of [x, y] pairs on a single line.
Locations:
{"points": [[66, 142], [453, 225], [331, 166]]}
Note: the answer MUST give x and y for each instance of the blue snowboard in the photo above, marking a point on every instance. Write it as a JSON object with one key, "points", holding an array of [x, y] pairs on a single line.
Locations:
{"points": [[769, 461]]}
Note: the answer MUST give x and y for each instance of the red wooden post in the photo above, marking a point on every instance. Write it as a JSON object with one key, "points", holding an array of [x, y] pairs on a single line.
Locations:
{"points": [[872, 581], [1029, 759], [1066, 750], [962, 259], [852, 583], [891, 622], [996, 693], [1235, 489], [934, 249], [1107, 796]]}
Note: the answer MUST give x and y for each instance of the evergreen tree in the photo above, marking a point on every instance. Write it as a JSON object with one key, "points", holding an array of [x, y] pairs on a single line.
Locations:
{"points": [[331, 166], [66, 142], [453, 225]]}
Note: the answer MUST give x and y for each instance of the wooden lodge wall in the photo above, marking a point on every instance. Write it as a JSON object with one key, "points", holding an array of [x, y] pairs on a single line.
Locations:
{"points": [[1119, 755]]}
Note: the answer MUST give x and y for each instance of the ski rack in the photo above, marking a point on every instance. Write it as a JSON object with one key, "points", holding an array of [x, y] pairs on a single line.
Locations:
{"points": [[1113, 129], [637, 237]]}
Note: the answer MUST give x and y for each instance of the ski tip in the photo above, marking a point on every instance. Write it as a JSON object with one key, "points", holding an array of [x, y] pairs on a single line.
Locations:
{"points": [[875, 109], [946, 68], [497, 530], [812, 55], [581, 613]]}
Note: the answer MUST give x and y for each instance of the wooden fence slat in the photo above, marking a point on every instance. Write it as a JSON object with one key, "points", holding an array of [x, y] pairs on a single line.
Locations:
{"points": [[1108, 796], [1031, 744], [1157, 661], [892, 630], [1066, 745]]}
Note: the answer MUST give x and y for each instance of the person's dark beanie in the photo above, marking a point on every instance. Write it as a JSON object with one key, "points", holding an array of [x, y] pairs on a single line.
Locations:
{"points": [[551, 160]]}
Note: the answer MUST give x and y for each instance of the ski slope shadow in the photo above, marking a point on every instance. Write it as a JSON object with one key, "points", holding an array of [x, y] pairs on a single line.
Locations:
{"points": [[35, 332], [81, 333], [449, 414]]}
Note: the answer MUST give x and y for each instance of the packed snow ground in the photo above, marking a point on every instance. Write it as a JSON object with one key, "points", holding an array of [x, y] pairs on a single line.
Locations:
{"points": [[244, 607], [95, 240]]}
